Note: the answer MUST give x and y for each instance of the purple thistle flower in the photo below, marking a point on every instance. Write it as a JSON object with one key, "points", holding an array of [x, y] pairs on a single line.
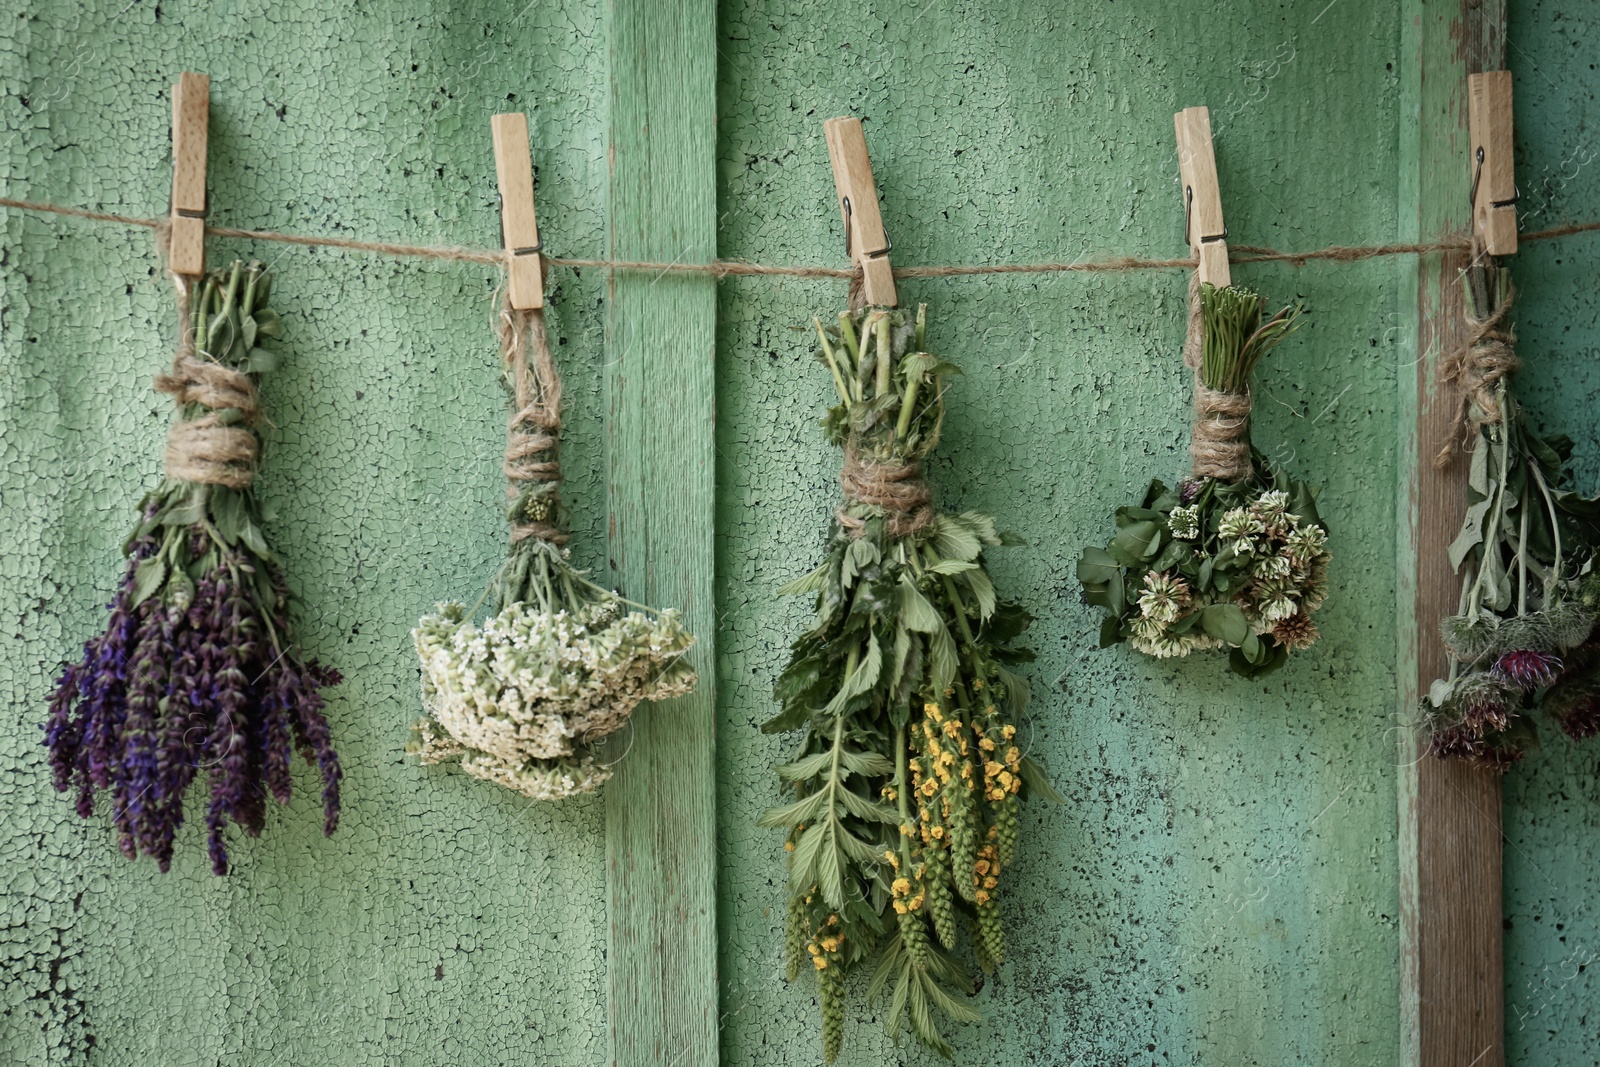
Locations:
{"points": [[1582, 720], [1527, 669]]}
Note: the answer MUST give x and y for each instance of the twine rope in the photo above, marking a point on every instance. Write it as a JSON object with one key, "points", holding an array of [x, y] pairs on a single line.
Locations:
{"points": [[1478, 366], [207, 448], [736, 268], [896, 488], [533, 434], [1219, 438]]}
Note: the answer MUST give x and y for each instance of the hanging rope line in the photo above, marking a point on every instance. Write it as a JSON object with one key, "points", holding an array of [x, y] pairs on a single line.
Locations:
{"points": [[734, 268]]}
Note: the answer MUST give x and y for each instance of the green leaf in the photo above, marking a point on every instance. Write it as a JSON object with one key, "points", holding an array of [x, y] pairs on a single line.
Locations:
{"points": [[952, 566], [227, 514], [915, 611], [1226, 623], [1035, 780], [254, 540], [803, 861], [802, 811], [980, 526], [952, 540], [1139, 540], [1110, 631], [869, 764], [147, 578], [801, 769], [857, 850], [865, 809], [983, 591], [863, 678], [942, 653], [806, 583], [1097, 566], [267, 323], [830, 864]]}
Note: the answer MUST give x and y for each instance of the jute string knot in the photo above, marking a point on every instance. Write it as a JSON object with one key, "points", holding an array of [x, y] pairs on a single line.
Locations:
{"points": [[210, 448], [1478, 367], [1219, 439], [533, 436], [896, 488]]}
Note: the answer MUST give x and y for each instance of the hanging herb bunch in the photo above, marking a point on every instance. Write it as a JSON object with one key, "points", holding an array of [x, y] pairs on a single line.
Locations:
{"points": [[1524, 637], [198, 666], [909, 771], [525, 697], [1236, 555]]}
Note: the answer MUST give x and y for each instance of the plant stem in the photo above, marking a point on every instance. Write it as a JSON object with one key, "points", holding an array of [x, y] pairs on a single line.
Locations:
{"points": [[833, 365], [883, 355]]}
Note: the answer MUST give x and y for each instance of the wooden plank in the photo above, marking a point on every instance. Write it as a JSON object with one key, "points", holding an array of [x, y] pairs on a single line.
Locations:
{"points": [[858, 208], [1452, 986], [191, 108], [1494, 211], [1197, 174], [519, 226], [661, 393]]}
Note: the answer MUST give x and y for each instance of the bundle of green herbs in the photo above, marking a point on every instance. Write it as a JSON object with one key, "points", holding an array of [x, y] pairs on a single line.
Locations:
{"points": [[526, 697], [1235, 556], [198, 666], [909, 771], [1524, 636]]}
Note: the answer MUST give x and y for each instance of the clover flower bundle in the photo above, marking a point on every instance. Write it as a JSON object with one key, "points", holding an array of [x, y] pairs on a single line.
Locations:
{"points": [[198, 666], [1236, 556], [1524, 637], [525, 697], [909, 771]]}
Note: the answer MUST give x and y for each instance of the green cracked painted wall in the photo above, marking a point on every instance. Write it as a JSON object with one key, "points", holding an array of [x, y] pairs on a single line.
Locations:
{"points": [[1552, 871], [1221, 887], [448, 922]]}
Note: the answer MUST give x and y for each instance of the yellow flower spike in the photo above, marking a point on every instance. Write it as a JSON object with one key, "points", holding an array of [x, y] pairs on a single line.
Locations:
{"points": [[929, 788], [821, 962], [1008, 731], [990, 882], [1016, 785], [915, 902], [891, 857], [986, 744], [982, 866], [1006, 777], [900, 907], [992, 768], [830, 944], [1013, 755], [977, 683], [947, 758], [981, 897], [900, 887], [938, 833], [997, 793], [788, 846]]}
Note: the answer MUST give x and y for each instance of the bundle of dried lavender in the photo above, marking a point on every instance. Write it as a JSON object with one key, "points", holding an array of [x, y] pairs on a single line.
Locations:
{"points": [[198, 666]]}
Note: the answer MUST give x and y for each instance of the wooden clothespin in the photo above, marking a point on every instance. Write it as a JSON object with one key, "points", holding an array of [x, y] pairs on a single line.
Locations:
{"points": [[864, 237], [1494, 180], [191, 105], [1203, 227], [519, 228]]}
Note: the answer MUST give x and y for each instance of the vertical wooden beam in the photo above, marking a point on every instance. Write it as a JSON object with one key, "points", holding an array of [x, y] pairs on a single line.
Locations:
{"points": [[660, 349], [1452, 975]]}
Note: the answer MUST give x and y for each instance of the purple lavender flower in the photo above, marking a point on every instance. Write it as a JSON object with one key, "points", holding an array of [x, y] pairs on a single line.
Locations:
{"points": [[1527, 669], [1190, 488]]}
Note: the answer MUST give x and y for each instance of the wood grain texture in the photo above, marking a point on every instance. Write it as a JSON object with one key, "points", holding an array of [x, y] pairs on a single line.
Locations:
{"points": [[519, 225], [859, 211], [661, 392], [1197, 170], [191, 108], [1494, 189], [1452, 996]]}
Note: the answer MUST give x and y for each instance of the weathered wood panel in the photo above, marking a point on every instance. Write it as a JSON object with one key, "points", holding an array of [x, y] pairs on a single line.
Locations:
{"points": [[661, 406], [1451, 971]]}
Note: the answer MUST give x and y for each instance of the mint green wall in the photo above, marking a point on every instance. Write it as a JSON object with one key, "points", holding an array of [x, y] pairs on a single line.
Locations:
{"points": [[448, 922], [1221, 887], [1552, 869]]}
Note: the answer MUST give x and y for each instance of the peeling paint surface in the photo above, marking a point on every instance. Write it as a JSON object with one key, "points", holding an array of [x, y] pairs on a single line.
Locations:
{"points": [[449, 921], [1552, 801], [1221, 887]]}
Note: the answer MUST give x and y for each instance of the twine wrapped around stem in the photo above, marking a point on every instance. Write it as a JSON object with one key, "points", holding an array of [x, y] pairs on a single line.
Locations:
{"points": [[1479, 366], [897, 488], [533, 436], [1219, 439], [212, 448]]}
